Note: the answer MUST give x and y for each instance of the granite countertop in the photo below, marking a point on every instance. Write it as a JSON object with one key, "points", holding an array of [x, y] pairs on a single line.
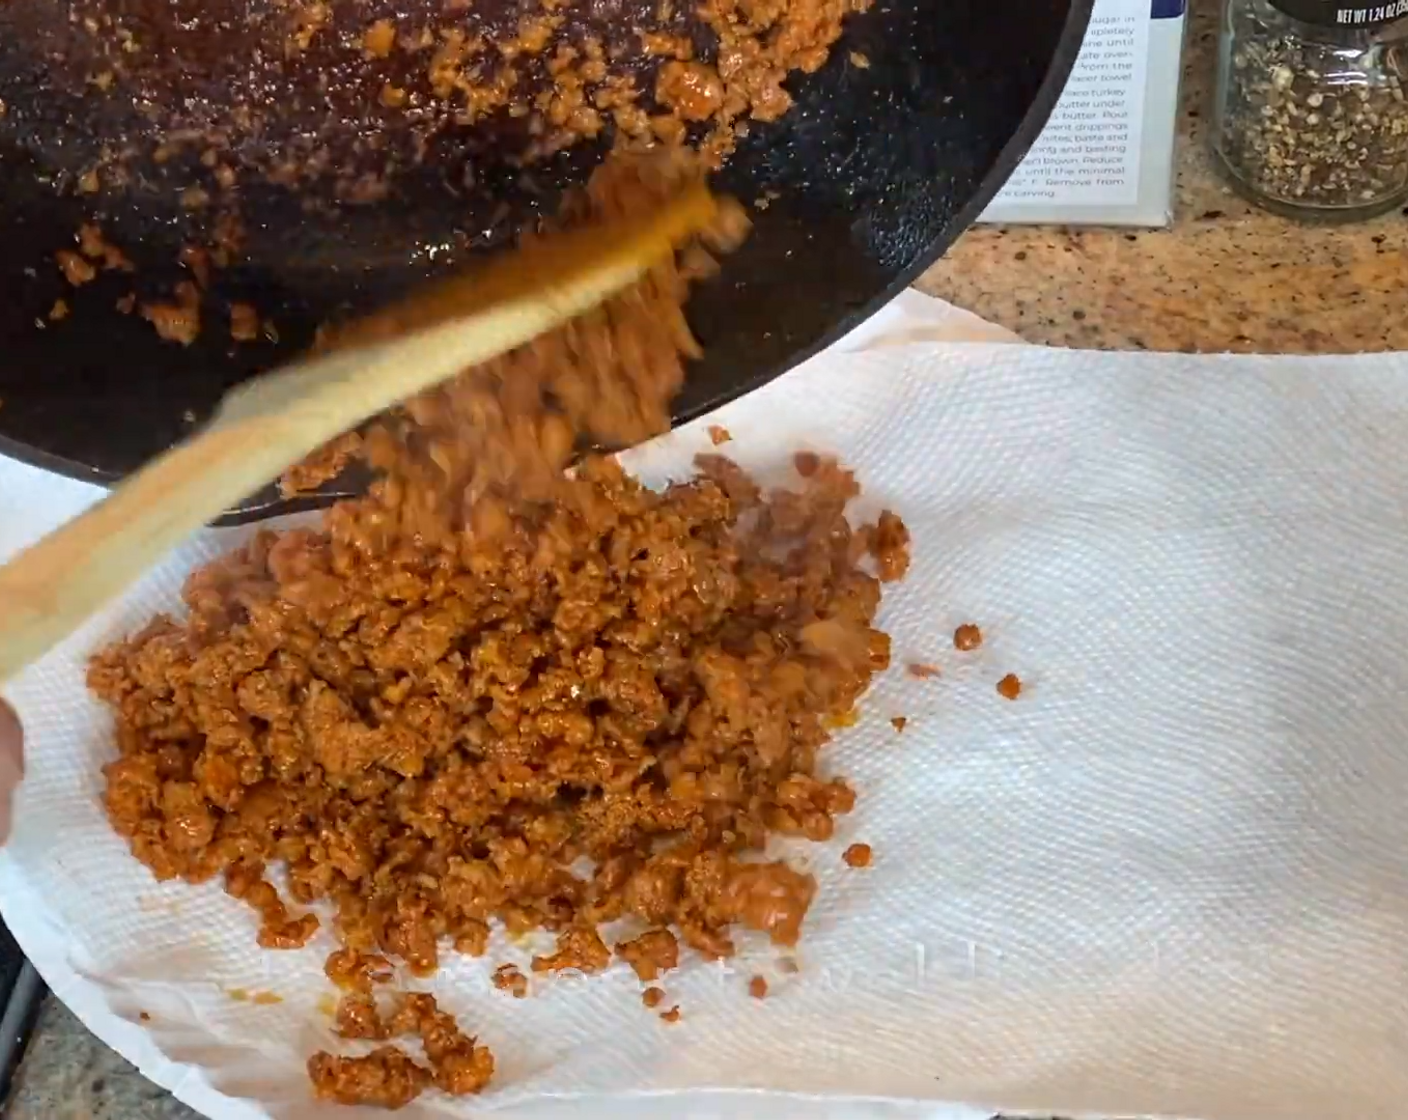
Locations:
{"points": [[67, 1074], [1225, 277]]}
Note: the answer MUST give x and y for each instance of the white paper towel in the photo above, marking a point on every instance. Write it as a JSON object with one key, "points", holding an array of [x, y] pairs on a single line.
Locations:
{"points": [[1172, 878]]}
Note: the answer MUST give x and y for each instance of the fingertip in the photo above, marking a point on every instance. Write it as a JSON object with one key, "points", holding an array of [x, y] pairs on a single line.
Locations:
{"points": [[11, 734]]}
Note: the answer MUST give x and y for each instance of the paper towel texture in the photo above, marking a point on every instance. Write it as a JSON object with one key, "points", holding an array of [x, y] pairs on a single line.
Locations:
{"points": [[1171, 878]]}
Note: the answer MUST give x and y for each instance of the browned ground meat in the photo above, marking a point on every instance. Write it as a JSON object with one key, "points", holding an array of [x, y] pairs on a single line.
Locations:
{"points": [[93, 245], [220, 96], [889, 544], [457, 1065], [580, 947], [967, 638], [857, 855], [511, 424], [355, 971], [507, 978], [357, 1017], [244, 322], [386, 1078], [650, 954], [76, 269], [436, 705], [179, 319], [198, 107], [322, 466]]}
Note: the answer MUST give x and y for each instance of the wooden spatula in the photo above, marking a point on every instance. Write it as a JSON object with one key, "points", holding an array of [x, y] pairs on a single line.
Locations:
{"points": [[265, 426]]}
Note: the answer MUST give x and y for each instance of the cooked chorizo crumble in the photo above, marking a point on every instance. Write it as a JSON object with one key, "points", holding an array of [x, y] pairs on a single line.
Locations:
{"points": [[507, 978], [223, 97], [201, 108], [967, 638], [434, 708], [857, 855], [388, 1077]]}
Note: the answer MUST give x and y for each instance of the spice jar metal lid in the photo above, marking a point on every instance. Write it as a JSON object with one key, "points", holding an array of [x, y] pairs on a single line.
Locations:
{"points": [[1344, 13]]}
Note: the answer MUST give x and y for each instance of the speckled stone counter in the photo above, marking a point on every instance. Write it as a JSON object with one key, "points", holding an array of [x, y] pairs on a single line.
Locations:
{"points": [[67, 1074], [1225, 277]]}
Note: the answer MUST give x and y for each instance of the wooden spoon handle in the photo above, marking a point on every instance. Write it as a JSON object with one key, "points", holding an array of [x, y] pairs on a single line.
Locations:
{"points": [[52, 587]]}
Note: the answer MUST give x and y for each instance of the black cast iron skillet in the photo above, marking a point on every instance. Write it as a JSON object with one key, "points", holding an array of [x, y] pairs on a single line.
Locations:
{"points": [[870, 177]]}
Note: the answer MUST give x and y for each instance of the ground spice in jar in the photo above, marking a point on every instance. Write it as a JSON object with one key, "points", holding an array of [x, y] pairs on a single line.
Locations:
{"points": [[1312, 117]]}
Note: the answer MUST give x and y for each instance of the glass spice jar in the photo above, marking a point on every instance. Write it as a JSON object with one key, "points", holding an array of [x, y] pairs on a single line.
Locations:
{"points": [[1311, 118]]}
